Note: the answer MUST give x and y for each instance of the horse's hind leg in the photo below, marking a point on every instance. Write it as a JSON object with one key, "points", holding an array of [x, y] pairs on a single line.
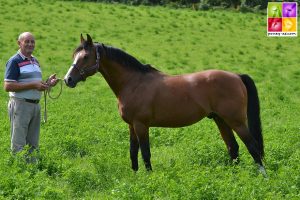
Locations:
{"points": [[228, 137], [249, 141], [134, 149]]}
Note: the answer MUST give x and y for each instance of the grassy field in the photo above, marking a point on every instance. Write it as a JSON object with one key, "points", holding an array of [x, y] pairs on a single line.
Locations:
{"points": [[84, 146]]}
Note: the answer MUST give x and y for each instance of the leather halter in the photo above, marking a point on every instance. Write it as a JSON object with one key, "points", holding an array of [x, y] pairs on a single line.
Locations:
{"points": [[84, 71]]}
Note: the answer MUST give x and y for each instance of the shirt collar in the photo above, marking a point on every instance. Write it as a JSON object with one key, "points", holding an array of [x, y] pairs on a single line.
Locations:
{"points": [[24, 57]]}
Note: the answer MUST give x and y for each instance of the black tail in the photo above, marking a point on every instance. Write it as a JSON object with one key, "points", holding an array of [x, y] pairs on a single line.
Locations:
{"points": [[253, 112]]}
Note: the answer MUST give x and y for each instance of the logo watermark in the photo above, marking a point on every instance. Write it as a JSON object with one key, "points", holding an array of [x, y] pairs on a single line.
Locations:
{"points": [[282, 19]]}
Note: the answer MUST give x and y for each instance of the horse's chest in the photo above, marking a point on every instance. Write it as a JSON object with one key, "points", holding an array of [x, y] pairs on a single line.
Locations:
{"points": [[125, 112]]}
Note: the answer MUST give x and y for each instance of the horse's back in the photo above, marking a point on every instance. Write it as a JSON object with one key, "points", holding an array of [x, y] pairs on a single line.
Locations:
{"points": [[206, 85]]}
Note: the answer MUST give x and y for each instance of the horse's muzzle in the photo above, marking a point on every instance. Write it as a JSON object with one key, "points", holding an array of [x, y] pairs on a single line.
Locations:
{"points": [[69, 82]]}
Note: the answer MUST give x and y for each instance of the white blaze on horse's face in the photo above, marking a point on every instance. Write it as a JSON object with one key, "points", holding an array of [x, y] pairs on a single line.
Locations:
{"points": [[77, 56], [68, 73]]}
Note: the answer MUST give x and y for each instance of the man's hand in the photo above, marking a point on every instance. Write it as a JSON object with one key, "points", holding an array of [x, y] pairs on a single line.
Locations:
{"points": [[41, 86], [52, 80]]}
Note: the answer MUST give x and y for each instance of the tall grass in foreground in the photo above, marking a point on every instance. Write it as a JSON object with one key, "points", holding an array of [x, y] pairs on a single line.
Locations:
{"points": [[84, 147]]}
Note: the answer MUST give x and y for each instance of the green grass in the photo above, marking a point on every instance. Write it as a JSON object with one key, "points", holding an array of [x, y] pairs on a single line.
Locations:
{"points": [[84, 146]]}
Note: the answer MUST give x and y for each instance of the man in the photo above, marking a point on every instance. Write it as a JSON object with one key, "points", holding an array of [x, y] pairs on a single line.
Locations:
{"points": [[23, 81]]}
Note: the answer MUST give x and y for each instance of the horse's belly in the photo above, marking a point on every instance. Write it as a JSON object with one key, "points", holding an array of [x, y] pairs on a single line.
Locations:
{"points": [[171, 122], [177, 118]]}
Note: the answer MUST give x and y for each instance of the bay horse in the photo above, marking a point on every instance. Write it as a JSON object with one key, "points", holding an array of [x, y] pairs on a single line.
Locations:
{"points": [[150, 98]]}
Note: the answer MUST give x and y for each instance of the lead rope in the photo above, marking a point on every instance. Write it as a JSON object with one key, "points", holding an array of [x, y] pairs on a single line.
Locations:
{"points": [[47, 93]]}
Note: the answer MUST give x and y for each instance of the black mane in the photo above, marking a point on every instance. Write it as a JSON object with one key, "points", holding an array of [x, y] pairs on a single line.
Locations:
{"points": [[120, 57], [127, 60]]}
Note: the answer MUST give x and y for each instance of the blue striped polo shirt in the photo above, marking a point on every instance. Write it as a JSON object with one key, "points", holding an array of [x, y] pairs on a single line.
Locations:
{"points": [[23, 70]]}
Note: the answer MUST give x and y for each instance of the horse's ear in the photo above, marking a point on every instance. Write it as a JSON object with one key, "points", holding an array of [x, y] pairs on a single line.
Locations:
{"points": [[89, 39], [81, 39]]}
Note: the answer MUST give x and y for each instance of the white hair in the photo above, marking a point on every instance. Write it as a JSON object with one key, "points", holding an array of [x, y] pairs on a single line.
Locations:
{"points": [[22, 35]]}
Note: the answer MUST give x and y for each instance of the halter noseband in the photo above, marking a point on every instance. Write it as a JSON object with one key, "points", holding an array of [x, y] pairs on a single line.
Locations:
{"points": [[83, 72]]}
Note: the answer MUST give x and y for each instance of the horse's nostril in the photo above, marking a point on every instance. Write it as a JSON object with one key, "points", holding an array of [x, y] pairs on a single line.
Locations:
{"points": [[69, 79], [69, 82]]}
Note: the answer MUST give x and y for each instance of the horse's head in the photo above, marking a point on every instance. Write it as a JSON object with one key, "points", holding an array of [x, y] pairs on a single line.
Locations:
{"points": [[86, 62]]}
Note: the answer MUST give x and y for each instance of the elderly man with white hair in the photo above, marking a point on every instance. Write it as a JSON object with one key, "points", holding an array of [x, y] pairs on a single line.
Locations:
{"points": [[23, 81]]}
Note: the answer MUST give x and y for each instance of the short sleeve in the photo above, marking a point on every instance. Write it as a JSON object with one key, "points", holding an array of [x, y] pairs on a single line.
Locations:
{"points": [[12, 71]]}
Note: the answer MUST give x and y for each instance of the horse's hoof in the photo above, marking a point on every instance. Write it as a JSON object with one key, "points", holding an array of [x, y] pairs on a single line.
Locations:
{"points": [[263, 171], [149, 168], [235, 161], [135, 169]]}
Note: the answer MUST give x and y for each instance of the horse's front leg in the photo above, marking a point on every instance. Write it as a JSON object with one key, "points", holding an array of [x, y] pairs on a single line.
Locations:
{"points": [[142, 132], [134, 149]]}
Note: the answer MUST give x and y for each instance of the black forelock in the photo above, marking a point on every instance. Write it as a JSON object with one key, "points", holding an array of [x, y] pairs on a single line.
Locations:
{"points": [[79, 48], [84, 45]]}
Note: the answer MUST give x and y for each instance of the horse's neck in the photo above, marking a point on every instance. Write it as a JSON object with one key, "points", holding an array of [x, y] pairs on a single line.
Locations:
{"points": [[117, 76]]}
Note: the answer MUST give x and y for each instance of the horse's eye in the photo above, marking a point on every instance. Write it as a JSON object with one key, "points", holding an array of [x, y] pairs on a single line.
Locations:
{"points": [[85, 57]]}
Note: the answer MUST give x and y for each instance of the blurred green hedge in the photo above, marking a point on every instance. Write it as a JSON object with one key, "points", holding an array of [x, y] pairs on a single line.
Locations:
{"points": [[184, 3]]}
